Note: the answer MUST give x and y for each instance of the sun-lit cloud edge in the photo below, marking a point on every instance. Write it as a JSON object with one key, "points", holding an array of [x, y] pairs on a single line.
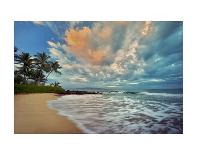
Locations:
{"points": [[116, 68]]}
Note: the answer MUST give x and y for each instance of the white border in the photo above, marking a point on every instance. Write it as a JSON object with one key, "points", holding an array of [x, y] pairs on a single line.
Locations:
{"points": [[96, 10]]}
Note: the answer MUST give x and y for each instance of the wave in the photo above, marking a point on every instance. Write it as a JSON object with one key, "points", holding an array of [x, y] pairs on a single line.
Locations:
{"points": [[122, 113], [61, 112], [144, 93], [77, 123], [161, 94], [113, 92]]}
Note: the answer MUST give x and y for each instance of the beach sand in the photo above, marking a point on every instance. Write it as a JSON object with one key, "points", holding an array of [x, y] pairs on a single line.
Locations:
{"points": [[32, 115]]}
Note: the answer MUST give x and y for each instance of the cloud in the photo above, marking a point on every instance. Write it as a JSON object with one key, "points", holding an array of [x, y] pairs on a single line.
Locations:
{"points": [[54, 52], [103, 33], [52, 44], [98, 45], [147, 28], [120, 53], [39, 22], [74, 23], [79, 42], [96, 48], [77, 79], [71, 66], [123, 23]]}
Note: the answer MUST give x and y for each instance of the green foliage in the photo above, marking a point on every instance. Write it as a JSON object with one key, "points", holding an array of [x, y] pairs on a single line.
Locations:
{"points": [[32, 73], [56, 84], [37, 69], [31, 88]]}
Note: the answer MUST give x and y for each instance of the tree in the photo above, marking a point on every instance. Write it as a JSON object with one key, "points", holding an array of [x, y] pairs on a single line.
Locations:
{"points": [[26, 62], [54, 66], [37, 76], [37, 69], [55, 84], [42, 65], [18, 78], [42, 61]]}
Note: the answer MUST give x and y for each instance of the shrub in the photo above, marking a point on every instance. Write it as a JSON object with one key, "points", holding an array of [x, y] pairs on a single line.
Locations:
{"points": [[31, 88]]}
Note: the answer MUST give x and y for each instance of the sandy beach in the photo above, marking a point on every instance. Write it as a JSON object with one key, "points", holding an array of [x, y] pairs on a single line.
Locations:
{"points": [[32, 115]]}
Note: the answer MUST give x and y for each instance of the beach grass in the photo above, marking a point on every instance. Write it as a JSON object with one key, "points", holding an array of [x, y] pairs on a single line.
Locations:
{"points": [[31, 88]]}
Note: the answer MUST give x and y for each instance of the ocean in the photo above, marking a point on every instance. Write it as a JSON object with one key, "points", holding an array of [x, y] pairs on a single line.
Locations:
{"points": [[147, 112]]}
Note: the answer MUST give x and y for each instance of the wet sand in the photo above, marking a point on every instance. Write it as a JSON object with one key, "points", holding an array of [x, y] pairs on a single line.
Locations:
{"points": [[32, 115]]}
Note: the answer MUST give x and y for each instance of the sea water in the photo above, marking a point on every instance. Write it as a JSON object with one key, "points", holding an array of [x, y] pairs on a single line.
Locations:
{"points": [[124, 112]]}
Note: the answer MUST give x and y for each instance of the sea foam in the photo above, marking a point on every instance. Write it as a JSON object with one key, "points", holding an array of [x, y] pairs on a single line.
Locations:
{"points": [[123, 113]]}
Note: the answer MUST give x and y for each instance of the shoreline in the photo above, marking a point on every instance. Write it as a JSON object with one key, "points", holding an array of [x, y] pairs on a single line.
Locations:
{"points": [[33, 116]]}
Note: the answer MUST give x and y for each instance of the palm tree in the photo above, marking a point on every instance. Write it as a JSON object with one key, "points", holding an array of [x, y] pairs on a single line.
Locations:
{"points": [[18, 78], [54, 66], [42, 61], [25, 60], [37, 69], [37, 76], [42, 65], [56, 84]]}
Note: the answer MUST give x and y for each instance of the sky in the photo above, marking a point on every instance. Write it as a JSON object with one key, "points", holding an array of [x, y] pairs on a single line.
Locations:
{"points": [[120, 55]]}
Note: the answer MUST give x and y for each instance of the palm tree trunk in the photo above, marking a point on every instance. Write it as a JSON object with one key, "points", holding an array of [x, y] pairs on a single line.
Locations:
{"points": [[49, 74], [24, 79]]}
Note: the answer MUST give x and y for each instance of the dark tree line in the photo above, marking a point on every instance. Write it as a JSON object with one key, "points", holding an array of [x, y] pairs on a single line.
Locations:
{"points": [[34, 69]]}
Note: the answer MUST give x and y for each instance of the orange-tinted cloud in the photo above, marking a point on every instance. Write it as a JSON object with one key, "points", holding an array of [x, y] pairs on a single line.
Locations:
{"points": [[100, 43], [123, 23], [79, 42], [147, 28], [54, 52], [78, 38], [104, 33]]}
